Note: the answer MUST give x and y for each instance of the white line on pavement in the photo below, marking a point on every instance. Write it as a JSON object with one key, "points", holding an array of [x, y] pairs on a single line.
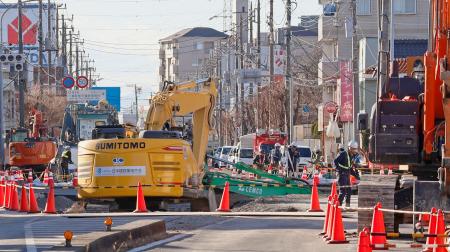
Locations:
{"points": [[29, 240]]}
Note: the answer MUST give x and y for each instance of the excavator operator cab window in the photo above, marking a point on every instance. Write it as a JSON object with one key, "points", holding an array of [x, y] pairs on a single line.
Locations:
{"points": [[19, 136]]}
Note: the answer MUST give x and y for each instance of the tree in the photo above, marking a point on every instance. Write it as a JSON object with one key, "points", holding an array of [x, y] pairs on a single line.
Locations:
{"points": [[51, 105]]}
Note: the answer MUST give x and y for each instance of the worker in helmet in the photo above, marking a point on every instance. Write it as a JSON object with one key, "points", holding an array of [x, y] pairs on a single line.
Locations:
{"points": [[275, 157], [66, 159], [344, 164]]}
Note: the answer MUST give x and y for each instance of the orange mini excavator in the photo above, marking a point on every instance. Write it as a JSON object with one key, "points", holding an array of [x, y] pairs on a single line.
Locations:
{"points": [[31, 148]]}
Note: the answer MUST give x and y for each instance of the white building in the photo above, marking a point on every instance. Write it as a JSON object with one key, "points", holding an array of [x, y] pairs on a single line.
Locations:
{"points": [[183, 54]]}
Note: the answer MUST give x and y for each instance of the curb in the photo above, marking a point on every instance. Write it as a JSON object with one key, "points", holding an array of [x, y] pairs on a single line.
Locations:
{"points": [[122, 238]]}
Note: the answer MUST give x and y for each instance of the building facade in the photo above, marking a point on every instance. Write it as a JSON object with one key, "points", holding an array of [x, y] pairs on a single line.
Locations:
{"points": [[183, 54]]}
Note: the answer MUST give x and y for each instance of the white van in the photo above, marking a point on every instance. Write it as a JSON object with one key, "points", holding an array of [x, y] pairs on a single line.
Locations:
{"points": [[222, 153], [305, 156], [245, 155]]}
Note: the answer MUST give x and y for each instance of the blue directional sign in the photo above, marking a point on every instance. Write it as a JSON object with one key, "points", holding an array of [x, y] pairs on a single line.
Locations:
{"points": [[68, 82]]}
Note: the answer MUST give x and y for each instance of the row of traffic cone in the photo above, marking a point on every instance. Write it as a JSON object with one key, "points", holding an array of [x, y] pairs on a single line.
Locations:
{"points": [[333, 227], [9, 198], [141, 206], [375, 238]]}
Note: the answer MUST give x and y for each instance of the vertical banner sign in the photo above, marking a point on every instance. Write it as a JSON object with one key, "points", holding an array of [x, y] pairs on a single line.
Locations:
{"points": [[346, 114]]}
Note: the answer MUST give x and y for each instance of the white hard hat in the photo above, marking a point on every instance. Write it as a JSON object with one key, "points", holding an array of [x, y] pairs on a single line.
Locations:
{"points": [[67, 147], [277, 145], [353, 144]]}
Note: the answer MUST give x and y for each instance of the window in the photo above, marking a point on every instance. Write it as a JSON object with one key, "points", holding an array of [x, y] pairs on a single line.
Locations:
{"points": [[363, 7], [197, 62], [405, 6], [198, 45]]}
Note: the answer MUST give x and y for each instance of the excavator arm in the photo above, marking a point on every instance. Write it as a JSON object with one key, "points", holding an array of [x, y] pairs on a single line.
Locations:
{"points": [[437, 84], [196, 97]]}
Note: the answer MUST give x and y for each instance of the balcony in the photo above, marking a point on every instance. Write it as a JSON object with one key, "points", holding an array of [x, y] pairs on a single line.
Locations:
{"points": [[162, 53], [328, 72], [327, 28]]}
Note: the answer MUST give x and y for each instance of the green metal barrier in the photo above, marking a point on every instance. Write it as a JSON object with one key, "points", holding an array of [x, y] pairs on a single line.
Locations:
{"points": [[265, 186]]}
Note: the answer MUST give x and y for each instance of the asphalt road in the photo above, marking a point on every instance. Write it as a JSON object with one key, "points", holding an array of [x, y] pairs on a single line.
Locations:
{"points": [[254, 234]]}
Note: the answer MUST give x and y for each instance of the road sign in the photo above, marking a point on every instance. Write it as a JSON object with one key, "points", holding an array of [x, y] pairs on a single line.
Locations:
{"points": [[82, 81], [331, 107], [85, 95], [68, 82]]}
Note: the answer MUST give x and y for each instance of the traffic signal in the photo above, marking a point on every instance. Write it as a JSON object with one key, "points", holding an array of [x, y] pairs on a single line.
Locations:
{"points": [[15, 59]]}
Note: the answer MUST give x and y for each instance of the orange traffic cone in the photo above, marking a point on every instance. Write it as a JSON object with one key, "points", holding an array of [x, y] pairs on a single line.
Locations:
{"points": [[390, 171], [75, 179], [315, 205], [327, 216], [377, 241], [225, 201], [304, 175], [2, 192], [337, 234], [7, 195], [431, 230], [14, 203], [364, 241], [327, 236], [30, 177], [141, 207], [33, 206], [23, 200], [381, 171], [50, 206], [45, 177], [333, 189], [440, 230]]}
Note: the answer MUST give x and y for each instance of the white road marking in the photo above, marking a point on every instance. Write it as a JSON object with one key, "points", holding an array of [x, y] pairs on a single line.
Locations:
{"points": [[159, 243], [29, 240]]}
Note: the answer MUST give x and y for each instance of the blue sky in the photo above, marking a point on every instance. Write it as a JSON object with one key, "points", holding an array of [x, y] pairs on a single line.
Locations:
{"points": [[122, 35]]}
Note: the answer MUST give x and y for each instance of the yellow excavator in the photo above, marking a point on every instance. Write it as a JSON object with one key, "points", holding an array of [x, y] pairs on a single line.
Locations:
{"points": [[165, 162]]}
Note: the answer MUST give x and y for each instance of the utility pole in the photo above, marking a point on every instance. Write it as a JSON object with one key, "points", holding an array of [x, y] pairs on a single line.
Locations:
{"points": [[77, 58], [271, 41], [355, 54], [22, 81], [57, 32], [383, 45], [41, 55], [241, 42], [49, 47], [251, 23], [70, 52], [81, 63], [258, 31], [136, 101], [63, 42], [271, 67], [288, 78]]}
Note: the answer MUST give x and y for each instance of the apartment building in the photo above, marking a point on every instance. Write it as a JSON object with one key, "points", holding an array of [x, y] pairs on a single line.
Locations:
{"points": [[410, 22], [183, 54]]}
